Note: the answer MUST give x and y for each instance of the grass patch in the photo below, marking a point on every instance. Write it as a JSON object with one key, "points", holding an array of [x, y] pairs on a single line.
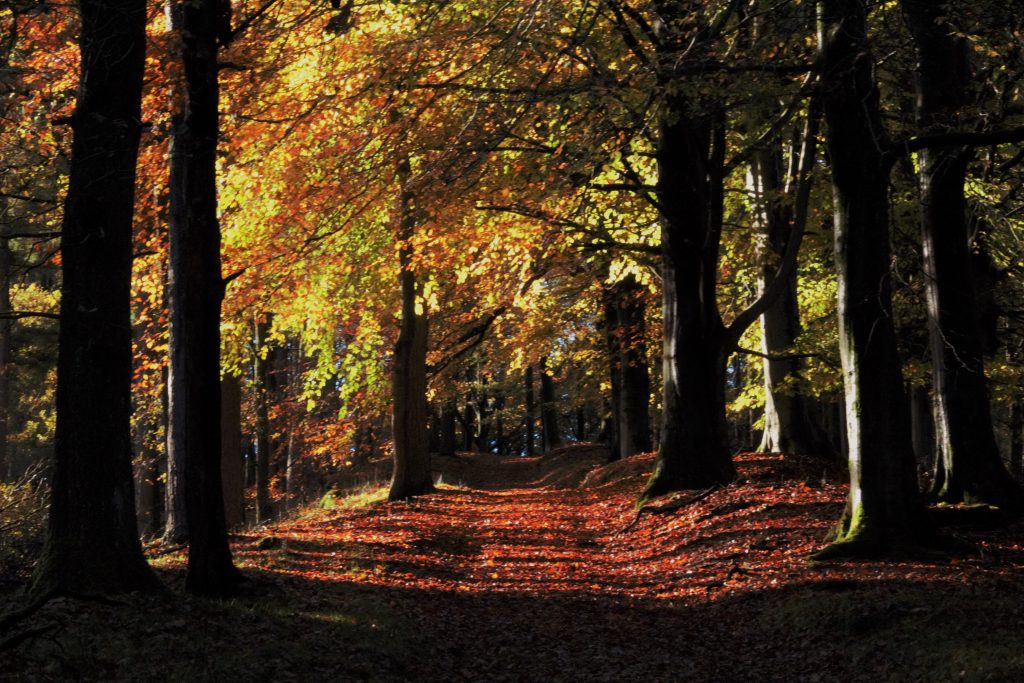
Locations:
{"points": [[353, 499]]}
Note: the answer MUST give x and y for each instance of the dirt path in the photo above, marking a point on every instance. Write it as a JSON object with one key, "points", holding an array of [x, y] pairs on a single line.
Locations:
{"points": [[540, 584]]}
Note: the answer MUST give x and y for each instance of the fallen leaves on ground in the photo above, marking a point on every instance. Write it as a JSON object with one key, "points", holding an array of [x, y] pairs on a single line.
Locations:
{"points": [[524, 584]]}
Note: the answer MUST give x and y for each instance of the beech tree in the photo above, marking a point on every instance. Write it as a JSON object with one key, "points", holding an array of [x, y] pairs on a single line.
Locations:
{"points": [[411, 473], [969, 467], [196, 292], [885, 512], [91, 545]]}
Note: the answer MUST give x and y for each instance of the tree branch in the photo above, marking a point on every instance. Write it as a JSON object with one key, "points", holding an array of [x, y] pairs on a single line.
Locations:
{"points": [[789, 258]]}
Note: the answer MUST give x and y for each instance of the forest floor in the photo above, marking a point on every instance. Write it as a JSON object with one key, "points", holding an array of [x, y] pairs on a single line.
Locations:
{"points": [[541, 571]]}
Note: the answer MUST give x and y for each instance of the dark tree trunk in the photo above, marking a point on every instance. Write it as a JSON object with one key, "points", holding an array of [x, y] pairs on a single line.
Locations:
{"points": [[261, 378], [1016, 439], [694, 445], [5, 349], [147, 472], [231, 445], [613, 341], [922, 431], [448, 442], [885, 513], [196, 293], [971, 469], [92, 546], [635, 386], [411, 475], [551, 436], [529, 436]]}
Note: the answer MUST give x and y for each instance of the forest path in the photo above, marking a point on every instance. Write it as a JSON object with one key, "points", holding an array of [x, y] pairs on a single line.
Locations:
{"points": [[547, 584]]}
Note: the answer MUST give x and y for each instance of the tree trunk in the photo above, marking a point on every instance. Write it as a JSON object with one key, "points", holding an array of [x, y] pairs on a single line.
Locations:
{"points": [[1016, 439], [529, 437], [971, 469], [6, 325], [788, 427], [613, 342], [411, 475], [550, 434], [196, 293], [92, 545], [922, 431], [176, 526], [448, 442], [147, 471], [231, 451], [261, 362], [635, 385], [694, 445], [885, 513]]}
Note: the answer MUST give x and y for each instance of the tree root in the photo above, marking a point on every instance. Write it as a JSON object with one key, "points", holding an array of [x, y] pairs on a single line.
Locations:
{"points": [[670, 506]]}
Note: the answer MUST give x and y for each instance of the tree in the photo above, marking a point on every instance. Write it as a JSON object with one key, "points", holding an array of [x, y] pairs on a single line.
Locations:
{"points": [[788, 427], [196, 293], [411, 475], [92, 545], [550, 433], [969, 467], [885, 512]]}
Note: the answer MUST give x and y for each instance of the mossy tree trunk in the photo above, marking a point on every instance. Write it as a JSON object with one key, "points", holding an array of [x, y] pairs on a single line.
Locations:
{"points": [[970, 469], [91, 544], [885, 514]]}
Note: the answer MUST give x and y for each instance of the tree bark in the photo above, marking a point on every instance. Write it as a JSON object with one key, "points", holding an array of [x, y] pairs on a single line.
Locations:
{"points": [[550, 434], [176, 526], [6, 326], [693, 449], [448, 442], [885, 513], [613, 344], [92, 546], [411, 475], [635, 386], [1016, 439], [196, 293], [788, 427], [971, 468], [231, 451], [922, 431]]}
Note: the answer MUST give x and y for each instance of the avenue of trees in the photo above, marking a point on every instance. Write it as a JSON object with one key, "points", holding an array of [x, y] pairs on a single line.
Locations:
{"points": [[247, 244]]}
